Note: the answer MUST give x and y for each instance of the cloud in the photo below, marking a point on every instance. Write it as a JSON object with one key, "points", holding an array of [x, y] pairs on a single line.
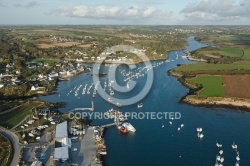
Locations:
{"points": [[113, 12], [29, 4], [217, 10]]}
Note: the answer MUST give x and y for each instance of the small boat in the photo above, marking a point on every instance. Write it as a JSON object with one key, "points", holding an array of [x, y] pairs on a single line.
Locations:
{"points": [[162, 125], [110, 100], [182, 125], [31, 135], [140, 105], [201, 136], [170, 122], [222, 159], [218, 145], [238, 158], [118, 104], [35, 118], [122, 129], [179, 128], [234, 146], [221, 152], [103, 153], [218, 158], [112, 93], [199, 129]]}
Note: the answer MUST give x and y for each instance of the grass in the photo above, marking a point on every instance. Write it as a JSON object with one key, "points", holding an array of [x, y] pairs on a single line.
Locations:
{"points": [[238, 37], [11, 119], [204, 68], [228, 51], [212, 86], [6, 105]]}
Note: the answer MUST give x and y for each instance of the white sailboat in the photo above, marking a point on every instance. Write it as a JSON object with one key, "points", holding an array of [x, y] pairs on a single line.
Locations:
{"points": [[140, 105], [218, 145]]}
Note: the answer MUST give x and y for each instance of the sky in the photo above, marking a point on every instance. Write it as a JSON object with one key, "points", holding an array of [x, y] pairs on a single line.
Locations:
{"points": [[127, 12]]}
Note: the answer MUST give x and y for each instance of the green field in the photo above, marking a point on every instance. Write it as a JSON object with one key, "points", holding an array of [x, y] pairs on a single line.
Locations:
{"points": [[204, 68], [212, 86], [238, 37], [228, 51], [11, 119]]}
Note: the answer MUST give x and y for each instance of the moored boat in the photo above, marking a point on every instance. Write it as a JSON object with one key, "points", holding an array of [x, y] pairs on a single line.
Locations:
{"points": [[122, 129], [129, 127], [140, 105]]}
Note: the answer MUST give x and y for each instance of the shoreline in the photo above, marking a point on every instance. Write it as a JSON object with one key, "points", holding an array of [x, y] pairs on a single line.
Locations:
{"points": [[189, 57], [228, 102], [192, 99]]}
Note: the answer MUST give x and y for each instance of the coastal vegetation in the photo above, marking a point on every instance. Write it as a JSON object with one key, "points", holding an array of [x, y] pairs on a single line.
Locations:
{"points": [[5, 151], [222, 79]]}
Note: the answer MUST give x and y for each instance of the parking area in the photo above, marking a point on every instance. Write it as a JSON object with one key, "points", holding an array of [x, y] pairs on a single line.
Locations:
{"points": [[76, 156], [41, 151]]}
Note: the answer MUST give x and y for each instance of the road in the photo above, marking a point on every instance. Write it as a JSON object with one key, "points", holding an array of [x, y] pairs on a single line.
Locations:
{"points": [[15, 144]]}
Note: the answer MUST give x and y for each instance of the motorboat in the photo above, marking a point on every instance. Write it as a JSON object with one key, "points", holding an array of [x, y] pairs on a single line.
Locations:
{"points": [[129, 127]]}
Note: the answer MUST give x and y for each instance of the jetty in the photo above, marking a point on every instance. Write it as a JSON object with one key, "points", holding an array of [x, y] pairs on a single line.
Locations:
{"points": [[109, 125], [84, 109]]}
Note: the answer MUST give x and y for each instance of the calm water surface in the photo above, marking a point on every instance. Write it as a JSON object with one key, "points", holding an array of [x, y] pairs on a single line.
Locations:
{"points": [[153, 145]]}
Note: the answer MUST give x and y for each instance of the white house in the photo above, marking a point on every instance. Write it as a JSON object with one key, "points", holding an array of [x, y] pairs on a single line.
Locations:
{"points": [[34, 88]]}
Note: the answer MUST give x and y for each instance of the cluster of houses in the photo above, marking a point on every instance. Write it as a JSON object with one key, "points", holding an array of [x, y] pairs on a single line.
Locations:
{"points": [[10, 76], [60, 71], [58, 39], [110, 55]]}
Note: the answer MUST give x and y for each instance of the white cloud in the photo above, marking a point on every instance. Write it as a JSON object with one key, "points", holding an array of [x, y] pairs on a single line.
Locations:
{"points": [[113, 12], [217, 9]]}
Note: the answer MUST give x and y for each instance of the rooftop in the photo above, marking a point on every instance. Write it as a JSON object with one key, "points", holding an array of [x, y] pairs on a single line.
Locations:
{"points": [[36, 163], [61, 130], [61, 153]]}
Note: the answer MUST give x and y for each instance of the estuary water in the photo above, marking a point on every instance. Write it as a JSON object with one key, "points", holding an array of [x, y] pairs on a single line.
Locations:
{"points": [[152, 145]]}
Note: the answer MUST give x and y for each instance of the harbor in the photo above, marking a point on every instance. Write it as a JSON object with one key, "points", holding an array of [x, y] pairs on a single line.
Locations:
{"points": [[170, 146]]}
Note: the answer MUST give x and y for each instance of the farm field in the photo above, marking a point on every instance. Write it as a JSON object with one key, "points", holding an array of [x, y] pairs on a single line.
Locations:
{"points": [[65, 44], [204, 68], [228, 51], [212, 86], [237, 86]]}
